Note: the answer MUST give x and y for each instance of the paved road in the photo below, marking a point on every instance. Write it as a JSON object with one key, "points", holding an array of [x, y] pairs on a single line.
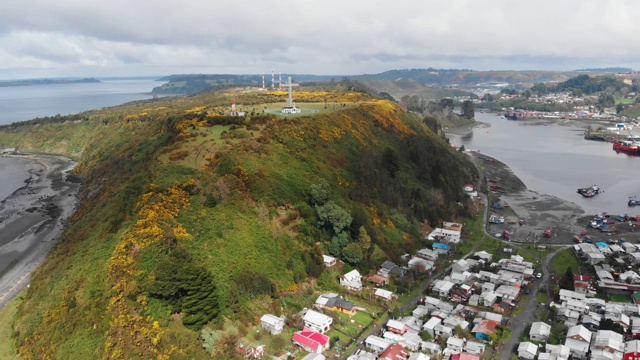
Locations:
{"points": [[518, 323]]}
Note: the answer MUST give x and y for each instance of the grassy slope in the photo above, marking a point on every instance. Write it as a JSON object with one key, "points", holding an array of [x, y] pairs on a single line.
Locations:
{"points": [[120, 153]]}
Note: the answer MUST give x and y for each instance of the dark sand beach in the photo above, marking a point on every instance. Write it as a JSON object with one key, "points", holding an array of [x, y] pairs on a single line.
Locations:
{"points": [[32, 219]]}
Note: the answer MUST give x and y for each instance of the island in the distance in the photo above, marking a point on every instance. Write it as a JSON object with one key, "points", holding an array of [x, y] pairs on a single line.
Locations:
{"points": [[29, 82]]}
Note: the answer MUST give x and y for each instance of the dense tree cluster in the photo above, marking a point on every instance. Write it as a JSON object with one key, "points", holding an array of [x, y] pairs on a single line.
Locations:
{"points": [[583, 83]]}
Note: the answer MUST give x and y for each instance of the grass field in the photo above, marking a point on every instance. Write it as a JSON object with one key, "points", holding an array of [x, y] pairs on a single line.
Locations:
{"points": [[624, 101], [7, 351], [563, 260]]}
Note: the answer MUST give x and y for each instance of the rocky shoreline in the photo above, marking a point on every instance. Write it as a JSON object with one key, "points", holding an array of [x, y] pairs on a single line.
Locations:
{"points": [[33, 218]]}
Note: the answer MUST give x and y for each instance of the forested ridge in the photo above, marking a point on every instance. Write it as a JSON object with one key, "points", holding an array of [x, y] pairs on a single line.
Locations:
{"points": [[193, 221]]}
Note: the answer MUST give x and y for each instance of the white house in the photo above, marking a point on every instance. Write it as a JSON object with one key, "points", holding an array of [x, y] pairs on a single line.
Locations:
{"points": [[449, 236], [609, 343], [317, 322], [352, 280], [427, 254], [578, 340], [571, 295], [328, 260], [272, 323], [527, 350], [455, 344], [385, 294], [474, 347], [376, 343], [431, 324], [540, 331]]}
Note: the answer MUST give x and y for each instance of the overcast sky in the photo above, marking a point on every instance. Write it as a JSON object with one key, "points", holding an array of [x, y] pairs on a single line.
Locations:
{"points": [[46, 38]]}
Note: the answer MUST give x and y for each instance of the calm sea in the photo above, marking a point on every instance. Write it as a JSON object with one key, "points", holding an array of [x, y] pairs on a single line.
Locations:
{"points": [[18, 103], [556, 160]]}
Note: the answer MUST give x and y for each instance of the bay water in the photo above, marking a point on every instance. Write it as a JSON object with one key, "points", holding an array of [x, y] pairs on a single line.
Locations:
{"points": [[19, 103], [555, 159]]}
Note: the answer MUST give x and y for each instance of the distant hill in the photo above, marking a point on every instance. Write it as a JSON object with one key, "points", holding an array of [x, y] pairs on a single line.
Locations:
{"points": [[28, 82], [422, 82], [612, 70]]}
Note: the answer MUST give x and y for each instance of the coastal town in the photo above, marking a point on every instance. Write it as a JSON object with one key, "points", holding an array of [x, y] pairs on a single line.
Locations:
{"points": [[499, 300]]}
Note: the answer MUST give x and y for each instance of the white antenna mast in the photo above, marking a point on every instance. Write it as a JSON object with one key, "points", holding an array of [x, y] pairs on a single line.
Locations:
{"points": [[263, 80], [273, 81]]}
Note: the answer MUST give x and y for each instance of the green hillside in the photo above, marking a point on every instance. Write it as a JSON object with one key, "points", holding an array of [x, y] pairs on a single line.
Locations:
{"points": [[192, 219]]}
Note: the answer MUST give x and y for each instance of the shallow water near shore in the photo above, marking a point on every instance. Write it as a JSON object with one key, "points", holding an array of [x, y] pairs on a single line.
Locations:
{"points": [[13, 173], [556, 160]]}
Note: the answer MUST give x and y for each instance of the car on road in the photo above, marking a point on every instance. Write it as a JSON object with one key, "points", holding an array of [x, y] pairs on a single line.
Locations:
{"points": [[526, 292], [538, 275]]}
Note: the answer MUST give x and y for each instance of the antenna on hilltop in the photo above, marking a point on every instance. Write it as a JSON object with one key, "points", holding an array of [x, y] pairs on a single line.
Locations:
{"points": [[273, 81], [263, 80]]}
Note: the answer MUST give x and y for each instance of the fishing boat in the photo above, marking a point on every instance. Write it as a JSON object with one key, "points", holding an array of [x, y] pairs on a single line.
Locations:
{"points": [[633, 201], [629, 146], [589, 191], [626, 146]]}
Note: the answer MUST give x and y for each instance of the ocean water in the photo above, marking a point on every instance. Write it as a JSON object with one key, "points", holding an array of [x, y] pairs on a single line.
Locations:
{"points": [[19, 103], [556, 160], [13, 173]]}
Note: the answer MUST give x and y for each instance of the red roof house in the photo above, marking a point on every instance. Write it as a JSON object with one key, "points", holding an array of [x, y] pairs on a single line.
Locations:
{"points": [[311, 341], [394, 352], [467, 356]]}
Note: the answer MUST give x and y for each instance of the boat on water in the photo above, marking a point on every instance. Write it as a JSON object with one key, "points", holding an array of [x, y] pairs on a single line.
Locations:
{"points": [[633, 202], [589, 191], [626, 146]]}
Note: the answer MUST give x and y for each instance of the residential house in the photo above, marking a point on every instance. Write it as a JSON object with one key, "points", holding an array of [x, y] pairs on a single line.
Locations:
{"points": [[485, 328], [474, 347], [420, 265], [418, 356], [394, 352], [607, 344], [445, 235], [385, 295], [442, 288], [595, 258], [396, 326], [333, 302], [378, 280], [635, 327], [460, 265], [362, 355], [618, 317], [555, 352], [431, 348], [483, 255], [540, 331], [592, 321], [420, 311], [467, 356], [427, 254], [508, 293], [632, 350], [314, 356], [352, 280], [443, 331], [581, 283], [455, 344], [329, 261], [527, 350], [376, 343], [311, 341], [488, 298], [441, 248], [317, 322], [272, 323], [629, 277], [570, 295], [634, 258], [578, 340], [431, 324]]}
